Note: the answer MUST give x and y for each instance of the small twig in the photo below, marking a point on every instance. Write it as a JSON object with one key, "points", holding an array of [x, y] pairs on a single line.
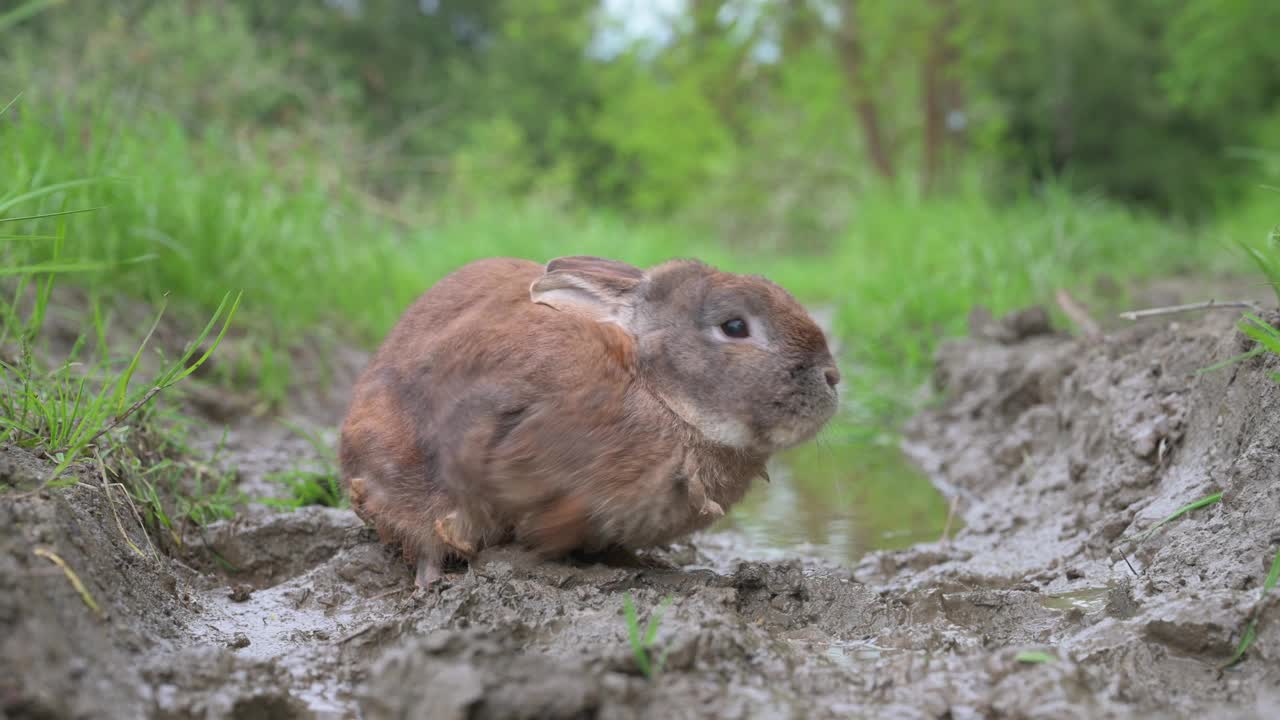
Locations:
{"points": [[352, 636], [115, 421], [106, 490], [951, 513], [389, 593], [71, 576], [1173, 309], [1126, 562], [1078, 314]]}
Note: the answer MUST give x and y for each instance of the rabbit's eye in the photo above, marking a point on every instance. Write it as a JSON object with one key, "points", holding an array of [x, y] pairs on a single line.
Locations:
{"points": [[736, 328]]}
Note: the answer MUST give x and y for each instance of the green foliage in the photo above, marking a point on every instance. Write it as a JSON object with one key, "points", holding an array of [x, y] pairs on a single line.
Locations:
{"points": [[1220, 58], [642, 641], [89, 403], [192, 215], [311, 486], [660, 163], [68, 409], [1266, 259], [743, 114], [1250, 633], [1263, 333]]}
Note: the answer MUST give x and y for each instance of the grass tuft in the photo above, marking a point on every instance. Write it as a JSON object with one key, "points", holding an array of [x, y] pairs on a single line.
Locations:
{"points": [[73, 408], [642, 643], [77, 402], [310, 486]]}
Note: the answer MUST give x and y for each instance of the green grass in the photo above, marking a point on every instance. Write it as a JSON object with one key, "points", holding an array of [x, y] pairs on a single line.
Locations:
{"points": [[317, 257], [1251, 629], [1189, 507], [642, 642], [71, 408], [1263, 333], [90, 404], [1265, 257], [175, 490], [311, 486]]}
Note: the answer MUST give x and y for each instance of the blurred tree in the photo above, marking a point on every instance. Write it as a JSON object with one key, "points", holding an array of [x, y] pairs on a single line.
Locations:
{"points": [[940, 88], [853, 61], [764, 115]]}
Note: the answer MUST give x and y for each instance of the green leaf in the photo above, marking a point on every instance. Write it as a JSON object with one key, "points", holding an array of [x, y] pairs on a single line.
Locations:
{"points": [[1034, 657]]}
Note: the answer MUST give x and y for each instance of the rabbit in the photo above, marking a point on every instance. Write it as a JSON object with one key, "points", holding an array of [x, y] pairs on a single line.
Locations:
{"points": [[582, 405]]}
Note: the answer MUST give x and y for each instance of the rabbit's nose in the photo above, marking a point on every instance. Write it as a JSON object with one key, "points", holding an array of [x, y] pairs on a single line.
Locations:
{"points": [[832, 375]]}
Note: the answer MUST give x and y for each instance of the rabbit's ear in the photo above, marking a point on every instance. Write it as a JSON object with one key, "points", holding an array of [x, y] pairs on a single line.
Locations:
{"points": [[600, 288]]}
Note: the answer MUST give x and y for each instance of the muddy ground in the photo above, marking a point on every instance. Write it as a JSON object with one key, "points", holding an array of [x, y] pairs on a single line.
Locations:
{"points": [[1057, 451]]}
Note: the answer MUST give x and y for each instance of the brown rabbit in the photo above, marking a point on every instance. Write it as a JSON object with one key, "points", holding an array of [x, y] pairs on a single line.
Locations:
{"points": [[581, 405]]}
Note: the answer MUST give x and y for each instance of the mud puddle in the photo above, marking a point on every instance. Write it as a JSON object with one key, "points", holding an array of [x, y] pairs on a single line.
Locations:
{"points": [[1059, 450], [839, 501]]}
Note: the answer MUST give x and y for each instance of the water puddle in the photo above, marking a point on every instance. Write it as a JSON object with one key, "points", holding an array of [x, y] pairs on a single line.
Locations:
{"points": [[1087, 600], [840, 501]]}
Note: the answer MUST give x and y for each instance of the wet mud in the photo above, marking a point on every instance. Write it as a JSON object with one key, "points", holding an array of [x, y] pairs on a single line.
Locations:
{"points": [[1056, 453]]}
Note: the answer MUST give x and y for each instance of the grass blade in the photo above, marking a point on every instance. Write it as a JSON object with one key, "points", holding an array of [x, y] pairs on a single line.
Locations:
{"points": [[45, 191], [10, 104], [1251, 630], [122, 386], [651, 631], [1231, 361], [1189, 507], [76, 266], [22, 12], [42, 216], [226, 324], [633, 633]]}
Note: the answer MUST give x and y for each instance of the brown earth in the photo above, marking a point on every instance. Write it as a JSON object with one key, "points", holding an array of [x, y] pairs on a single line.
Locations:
{"points": [[1057, 451]]}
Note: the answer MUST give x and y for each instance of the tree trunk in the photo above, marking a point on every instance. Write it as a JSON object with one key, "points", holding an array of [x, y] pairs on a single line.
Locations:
{"points": [[799, 27], [940, 91], [852, 60]]}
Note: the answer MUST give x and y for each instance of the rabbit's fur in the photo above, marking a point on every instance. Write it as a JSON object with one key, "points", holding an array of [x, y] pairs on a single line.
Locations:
{"points": [[581, 405]]}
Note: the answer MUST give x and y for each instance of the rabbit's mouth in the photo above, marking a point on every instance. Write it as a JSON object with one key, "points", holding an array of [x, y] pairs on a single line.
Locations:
{"points": [[810, 412], [789, 435]]}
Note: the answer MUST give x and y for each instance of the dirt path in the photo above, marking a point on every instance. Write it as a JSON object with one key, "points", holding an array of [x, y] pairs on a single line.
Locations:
{"points": [[1057, 449]]}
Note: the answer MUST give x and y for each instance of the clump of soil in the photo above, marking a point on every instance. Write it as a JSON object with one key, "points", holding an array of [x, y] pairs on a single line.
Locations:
{"points": [[1057, 451]]}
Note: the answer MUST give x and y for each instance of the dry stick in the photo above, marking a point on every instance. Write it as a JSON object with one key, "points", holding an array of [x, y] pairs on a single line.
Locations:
{"points": [[137, 516], [1078, 314], [53, 557], [111, 503], [352, 636], [1126, 562], [115, 421], [951, 513], [1173, 309], [389, 593]]}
